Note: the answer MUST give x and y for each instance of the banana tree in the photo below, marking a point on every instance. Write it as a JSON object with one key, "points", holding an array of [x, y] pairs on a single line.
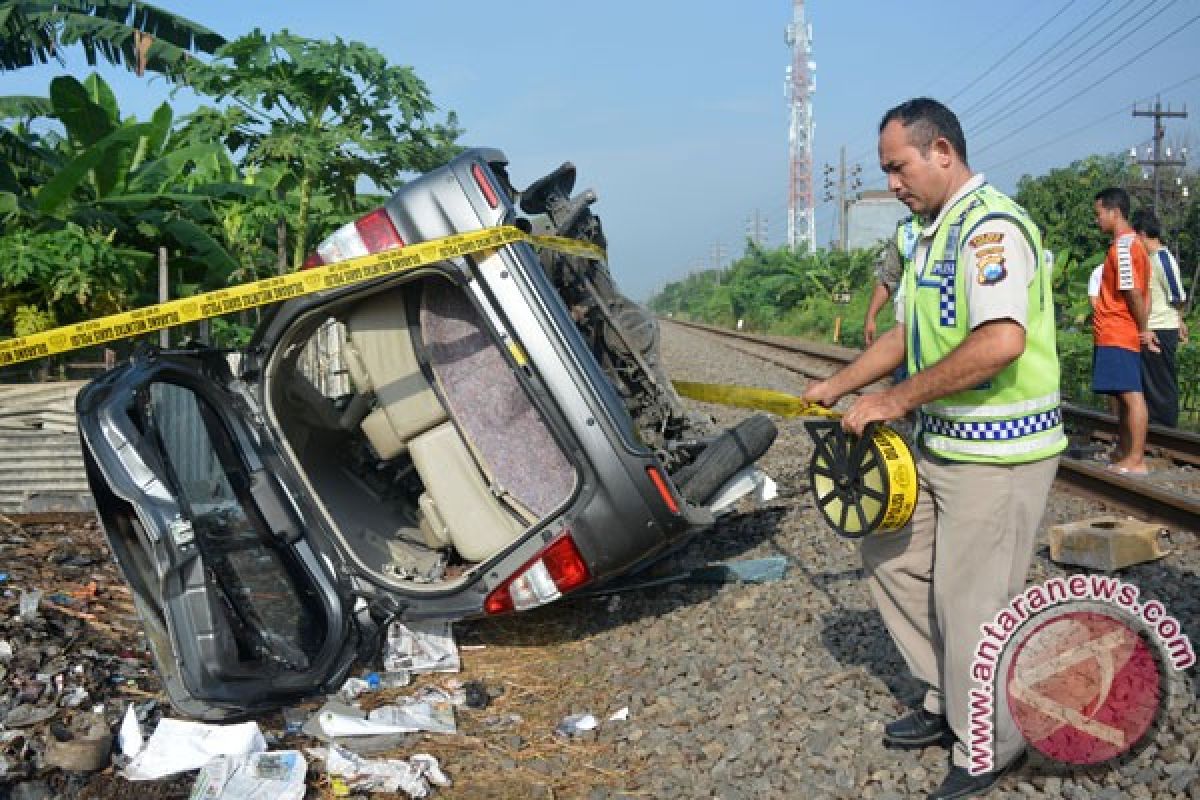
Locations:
{"points": [[141, 185], [138, 35]]}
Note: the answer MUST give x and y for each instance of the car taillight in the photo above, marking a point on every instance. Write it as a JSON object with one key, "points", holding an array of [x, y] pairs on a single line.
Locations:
{"points": [[377, 231], [485, 185], [664, 491], [373, 233], [557, 569]]}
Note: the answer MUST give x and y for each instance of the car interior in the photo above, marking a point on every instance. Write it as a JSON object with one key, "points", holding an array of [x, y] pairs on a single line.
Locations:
{"points": [[424, 451]]}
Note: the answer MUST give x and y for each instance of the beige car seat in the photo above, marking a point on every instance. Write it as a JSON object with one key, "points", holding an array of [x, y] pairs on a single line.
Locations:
{"points": [[458, 508]]}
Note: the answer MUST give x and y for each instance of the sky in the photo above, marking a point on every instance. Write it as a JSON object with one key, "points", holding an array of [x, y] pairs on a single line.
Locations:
{"points": [[674, 112]]}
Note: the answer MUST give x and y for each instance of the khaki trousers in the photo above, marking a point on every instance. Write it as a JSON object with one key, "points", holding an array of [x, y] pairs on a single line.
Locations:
{"points": [[963, 557]]}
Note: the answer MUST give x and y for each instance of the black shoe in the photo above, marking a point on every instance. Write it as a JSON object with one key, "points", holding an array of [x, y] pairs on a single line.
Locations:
{"points": [[959, 783], [918, 729]]}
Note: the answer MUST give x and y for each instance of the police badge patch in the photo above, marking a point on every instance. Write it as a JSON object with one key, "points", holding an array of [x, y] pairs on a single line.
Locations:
{"points": [[989, 260]]}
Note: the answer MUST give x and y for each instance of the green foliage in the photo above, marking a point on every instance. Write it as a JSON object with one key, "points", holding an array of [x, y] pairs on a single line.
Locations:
{"points": [[68, 275], [139, 35], [331, 112], [772, 288], [227, 333], [29, 320], [1062, 201]]}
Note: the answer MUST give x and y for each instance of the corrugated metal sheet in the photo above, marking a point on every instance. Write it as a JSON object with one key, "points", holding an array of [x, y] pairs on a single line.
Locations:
{"points": [[41, 466]]}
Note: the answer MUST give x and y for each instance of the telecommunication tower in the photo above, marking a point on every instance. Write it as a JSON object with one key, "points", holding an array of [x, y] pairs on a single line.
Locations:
{"points": [[800, 85]]}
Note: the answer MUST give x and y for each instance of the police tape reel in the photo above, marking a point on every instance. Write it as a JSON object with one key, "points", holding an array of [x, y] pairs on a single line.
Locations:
{"points": [[861, 484]]}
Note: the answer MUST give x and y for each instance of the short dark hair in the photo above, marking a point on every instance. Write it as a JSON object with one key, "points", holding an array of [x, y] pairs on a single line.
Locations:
{"points": [[926, 119], [1114, 197], [1145, 223]]}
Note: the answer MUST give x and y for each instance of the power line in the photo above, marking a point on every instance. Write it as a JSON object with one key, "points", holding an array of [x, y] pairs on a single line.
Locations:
{"points": [[1059, 106], [1059, 45], [1052, 82], [869, 151], [1002, 59], [1086, 126]]}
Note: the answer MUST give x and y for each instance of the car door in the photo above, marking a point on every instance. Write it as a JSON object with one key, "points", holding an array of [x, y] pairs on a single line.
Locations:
{"points": [[240, 602]]}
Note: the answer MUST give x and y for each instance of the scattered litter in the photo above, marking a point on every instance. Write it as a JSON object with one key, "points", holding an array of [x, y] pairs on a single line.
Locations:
{"points": [[277, 775], [352, 688], [576, 724], [387, 680], [179, 745], [413, 776], [6, 651], [74, 697], [335, 719], [424, 646], [293, 720], [378, 744], [421, 715], [749, 479], [28, 604], [620, 715], [477, 696]]}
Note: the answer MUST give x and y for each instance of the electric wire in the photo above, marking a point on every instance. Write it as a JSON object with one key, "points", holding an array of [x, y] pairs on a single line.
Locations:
{"points": [[991, 70], [1086, 126], [1052, 82], [1059, 47], [1059, 106]]}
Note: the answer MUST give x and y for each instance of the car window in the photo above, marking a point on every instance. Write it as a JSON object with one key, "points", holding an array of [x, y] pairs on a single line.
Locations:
{"points": [[273, 617]]}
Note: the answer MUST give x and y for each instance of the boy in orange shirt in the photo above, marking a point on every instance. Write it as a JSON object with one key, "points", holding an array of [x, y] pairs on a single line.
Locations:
{"points": [[1120, 329]]}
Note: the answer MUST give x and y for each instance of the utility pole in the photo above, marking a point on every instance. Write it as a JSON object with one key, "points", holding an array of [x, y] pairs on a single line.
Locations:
{"points": [[848, 180], [1158, 158], [756, 228], [718, 255], [799, 88]]}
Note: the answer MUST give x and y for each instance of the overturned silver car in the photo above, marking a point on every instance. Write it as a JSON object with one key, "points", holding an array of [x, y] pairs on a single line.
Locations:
{"points": [[480, 436]]}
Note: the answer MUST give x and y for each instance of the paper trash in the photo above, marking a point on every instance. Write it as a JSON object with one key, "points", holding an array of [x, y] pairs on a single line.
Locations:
{"points": [[277, 775], [747, 480], [179, 745], [391, 775], [421, 646], [335, 719]]}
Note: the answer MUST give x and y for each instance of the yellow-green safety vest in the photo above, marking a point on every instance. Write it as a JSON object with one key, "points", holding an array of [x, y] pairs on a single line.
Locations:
{"points": [[1015, 417]]}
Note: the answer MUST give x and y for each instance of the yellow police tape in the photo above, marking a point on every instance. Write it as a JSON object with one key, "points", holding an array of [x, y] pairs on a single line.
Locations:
{"points": [[860, 485], [273, 290], [781, 403]]}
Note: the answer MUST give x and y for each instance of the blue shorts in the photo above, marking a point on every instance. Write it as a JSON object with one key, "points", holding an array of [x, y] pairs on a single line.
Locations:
{"points": [[1116, 370]]}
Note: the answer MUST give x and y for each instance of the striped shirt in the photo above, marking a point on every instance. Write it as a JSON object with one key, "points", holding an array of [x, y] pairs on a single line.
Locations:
{"points": [[1127, 268], [1166, 290]]}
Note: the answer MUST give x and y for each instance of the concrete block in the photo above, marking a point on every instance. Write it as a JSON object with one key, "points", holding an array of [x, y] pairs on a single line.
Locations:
{"points": [[1106, 543]]}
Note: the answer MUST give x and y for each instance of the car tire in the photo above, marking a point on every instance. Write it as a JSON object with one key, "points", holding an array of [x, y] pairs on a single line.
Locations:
{"points": [[734, 449]]}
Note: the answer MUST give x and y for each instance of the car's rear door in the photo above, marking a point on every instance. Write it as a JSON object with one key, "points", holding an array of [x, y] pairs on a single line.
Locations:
{"points": [[242, 610]]}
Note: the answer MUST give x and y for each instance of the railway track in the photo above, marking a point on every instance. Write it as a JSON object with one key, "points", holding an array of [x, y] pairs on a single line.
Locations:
{"points": [[1136, 496]]}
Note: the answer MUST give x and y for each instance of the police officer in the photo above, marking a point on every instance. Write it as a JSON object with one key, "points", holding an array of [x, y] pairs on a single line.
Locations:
{"points": [[978, 337]]}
